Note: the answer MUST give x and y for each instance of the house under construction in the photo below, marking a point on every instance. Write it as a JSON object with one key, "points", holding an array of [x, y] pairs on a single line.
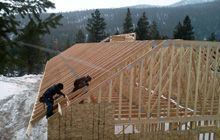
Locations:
{"points": [[156, 90]]}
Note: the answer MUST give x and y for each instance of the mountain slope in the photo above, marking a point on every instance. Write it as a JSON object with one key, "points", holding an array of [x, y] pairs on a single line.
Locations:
{"points": [[140, 6], [205, 20], [16, 109], [189, 2]]}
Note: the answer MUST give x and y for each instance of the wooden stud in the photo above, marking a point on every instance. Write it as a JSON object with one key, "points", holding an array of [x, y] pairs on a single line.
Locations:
{"points": [[188, 80], [140, 88], [206, 80], [179, 79], [160, 83], [150, 87], [110, 92], [217, 66], [120, 94], [214, 83], [131, 90], [197, 82], [171, 79]]}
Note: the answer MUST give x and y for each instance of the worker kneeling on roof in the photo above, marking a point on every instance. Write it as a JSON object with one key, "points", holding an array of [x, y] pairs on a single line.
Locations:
{"points": [[48, 97], [81, 82]]}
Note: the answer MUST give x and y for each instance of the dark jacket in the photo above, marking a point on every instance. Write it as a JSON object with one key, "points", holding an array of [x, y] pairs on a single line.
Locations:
{"points": [[50, 92], [81, 82]]}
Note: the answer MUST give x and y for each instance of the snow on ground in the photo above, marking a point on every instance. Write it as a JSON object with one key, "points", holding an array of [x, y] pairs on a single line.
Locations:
{"points": [[17, 97], [16, 85]]}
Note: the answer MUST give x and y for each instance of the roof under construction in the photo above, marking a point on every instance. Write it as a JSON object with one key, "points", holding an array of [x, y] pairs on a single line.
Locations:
{"points": [[94, 59], [142, 79]]}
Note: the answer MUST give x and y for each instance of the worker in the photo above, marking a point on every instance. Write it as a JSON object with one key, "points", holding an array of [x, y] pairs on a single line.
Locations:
{"points": [[49, 97], [81, 82]]}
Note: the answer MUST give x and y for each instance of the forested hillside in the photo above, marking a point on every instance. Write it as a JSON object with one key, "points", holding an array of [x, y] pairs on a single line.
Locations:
{"points": [[33, 33], [205, 20]]}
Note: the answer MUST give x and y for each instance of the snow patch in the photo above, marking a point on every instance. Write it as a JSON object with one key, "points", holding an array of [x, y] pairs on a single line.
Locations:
{"points": [[16, 85], [17, 99]]}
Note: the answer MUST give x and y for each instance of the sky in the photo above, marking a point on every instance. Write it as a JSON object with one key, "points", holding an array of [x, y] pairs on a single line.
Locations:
{"points": [[75, 5]]}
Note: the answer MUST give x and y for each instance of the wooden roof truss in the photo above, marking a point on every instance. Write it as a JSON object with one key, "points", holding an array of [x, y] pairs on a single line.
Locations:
{"points": [[174, 79]]}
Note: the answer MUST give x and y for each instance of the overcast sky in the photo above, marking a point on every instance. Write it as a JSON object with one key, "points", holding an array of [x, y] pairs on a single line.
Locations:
{"points": [[73, 5]]}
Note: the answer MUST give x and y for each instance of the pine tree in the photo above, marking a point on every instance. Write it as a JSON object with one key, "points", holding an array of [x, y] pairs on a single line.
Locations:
{"points": [[96, 27], [178, 31], [142, 29], [184, 31], [154, 33], [9, 22], [32, 34], [3, 58], [212, 37], [80, 36], [188, 33], [117, 32], [164, 37], [128, 25], [67, 44], [11, 27]]}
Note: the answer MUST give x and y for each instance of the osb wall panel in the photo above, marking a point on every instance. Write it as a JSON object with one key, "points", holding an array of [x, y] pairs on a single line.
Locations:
{"points": [[84, 122]]}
